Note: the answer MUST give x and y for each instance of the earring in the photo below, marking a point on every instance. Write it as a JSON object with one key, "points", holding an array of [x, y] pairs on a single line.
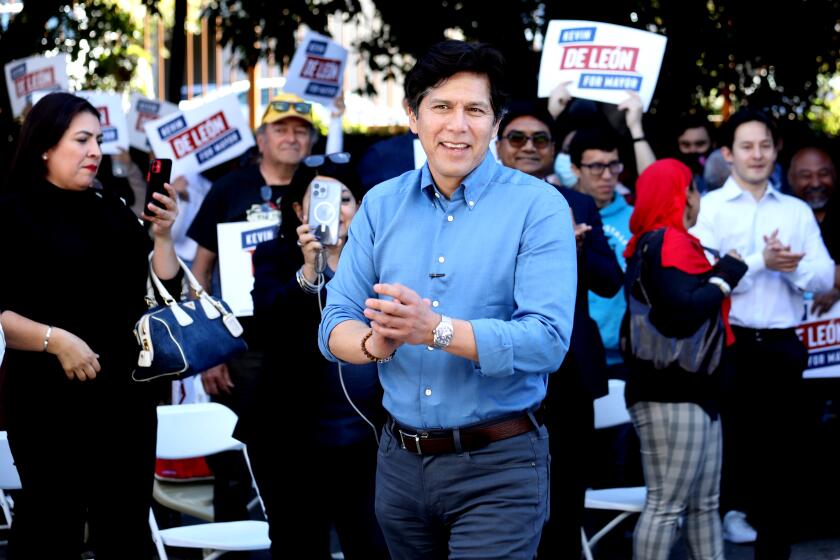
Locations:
{"points": [[44, 157]]}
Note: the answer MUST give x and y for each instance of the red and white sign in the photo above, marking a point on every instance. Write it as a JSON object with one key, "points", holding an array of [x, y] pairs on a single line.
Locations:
{"points": [[143, 110], [111, 118], [27, 76], [201, 137], [600, 61], [821, 336], [317, 69]]}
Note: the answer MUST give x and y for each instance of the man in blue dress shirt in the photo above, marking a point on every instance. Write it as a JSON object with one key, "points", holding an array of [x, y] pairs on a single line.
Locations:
{"points": [[459, 279]]}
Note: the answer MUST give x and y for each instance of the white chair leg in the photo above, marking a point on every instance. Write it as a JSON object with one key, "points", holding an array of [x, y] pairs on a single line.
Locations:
{"points": [[161, 551], [7, 511], [609, 527], [584, 544]]}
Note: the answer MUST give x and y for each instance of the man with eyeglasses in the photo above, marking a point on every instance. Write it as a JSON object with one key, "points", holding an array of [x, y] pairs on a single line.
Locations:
{"points": [[526, 143], [284, 138]]}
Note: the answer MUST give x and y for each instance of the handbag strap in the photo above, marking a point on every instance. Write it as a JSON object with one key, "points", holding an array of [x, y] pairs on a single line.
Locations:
{"points": [[212, 308], [649, 238]]}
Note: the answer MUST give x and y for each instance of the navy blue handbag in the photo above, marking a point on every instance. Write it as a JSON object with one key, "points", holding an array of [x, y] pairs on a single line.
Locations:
{"points": [[182, 338]]}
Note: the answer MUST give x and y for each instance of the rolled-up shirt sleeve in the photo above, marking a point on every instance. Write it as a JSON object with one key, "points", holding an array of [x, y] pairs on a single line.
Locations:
{"points": [[347, 291], [815, 272], [536, 338]]}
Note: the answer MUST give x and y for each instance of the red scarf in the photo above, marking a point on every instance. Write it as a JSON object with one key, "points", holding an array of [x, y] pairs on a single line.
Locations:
{"points": [[660, 203]]}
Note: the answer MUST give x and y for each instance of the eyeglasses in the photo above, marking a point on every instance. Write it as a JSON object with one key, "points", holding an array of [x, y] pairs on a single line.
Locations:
{"points": [[518, 139], [615, 167], [318, 160], [300, 107]]}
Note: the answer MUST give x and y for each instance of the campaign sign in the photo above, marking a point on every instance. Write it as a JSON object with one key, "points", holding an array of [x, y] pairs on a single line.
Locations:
{"points": [[821, 336], [26, 76], [111, 118], [201, 137], [237, 243], [142, 111], [317, 69], [601, 61]]}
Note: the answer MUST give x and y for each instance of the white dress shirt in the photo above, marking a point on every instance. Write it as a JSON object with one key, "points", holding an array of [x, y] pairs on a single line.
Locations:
{"points": [[731, 218]]}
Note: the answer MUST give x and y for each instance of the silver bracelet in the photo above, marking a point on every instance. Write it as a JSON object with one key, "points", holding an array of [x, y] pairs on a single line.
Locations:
{"points": [[47, 336], [308, 286]]}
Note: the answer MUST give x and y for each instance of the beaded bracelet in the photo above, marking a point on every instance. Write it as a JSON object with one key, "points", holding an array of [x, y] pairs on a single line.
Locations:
{"points": [[370, 356]]}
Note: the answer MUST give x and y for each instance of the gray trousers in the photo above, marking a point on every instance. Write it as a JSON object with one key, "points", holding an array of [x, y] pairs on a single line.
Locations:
{"points": [[489, 504], [681, 458]]}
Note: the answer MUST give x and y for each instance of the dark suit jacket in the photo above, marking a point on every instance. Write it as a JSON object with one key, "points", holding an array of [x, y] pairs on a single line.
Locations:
{"points": [[387, 159], [599, 271]]}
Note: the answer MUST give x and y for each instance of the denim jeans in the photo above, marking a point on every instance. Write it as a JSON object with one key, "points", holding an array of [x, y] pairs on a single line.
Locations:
{"points": [[488, 503]]}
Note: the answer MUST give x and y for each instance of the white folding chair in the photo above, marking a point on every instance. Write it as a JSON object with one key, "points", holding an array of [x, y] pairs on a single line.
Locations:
{"points": [[610, 411], [194, 430], [9, 479]]}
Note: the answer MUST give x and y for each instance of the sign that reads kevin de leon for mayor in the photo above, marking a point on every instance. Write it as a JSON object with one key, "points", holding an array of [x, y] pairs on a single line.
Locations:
{"points": [[111, 119], [821, 337], [600, 60], [317, 69], [36, 73], [142, 111], [201, 138], [237, 243]]}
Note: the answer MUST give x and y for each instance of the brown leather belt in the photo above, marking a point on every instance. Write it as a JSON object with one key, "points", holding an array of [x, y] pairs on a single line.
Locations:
{"points": [[433, 442]]}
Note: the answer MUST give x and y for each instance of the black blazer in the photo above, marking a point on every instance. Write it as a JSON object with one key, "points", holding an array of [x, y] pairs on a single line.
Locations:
{"points": [[599, 271]]}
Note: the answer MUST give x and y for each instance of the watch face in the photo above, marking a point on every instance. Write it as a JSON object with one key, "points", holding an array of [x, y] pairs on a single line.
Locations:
{"points": [[443, 333]]}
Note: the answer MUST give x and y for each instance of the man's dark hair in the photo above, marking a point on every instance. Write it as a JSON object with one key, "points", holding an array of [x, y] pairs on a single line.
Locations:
{"points": [[526, 108], [744, 116], [693, 120], [44, 126], [447, 58], [591, 139]]}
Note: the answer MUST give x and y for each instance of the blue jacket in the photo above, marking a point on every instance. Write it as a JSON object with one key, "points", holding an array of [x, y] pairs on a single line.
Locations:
{"points": [[608, 312]]}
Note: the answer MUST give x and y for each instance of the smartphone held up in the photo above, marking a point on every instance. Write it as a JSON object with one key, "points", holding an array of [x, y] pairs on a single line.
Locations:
{"points": [[159, 173], [325, 210]]}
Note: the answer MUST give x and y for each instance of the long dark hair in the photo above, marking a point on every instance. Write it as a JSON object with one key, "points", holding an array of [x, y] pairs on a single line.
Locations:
{"points": [[44, 126]]}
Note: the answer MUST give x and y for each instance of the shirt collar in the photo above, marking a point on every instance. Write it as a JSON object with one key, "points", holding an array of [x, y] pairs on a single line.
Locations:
{"points": [[731, 190], [474, 183]]}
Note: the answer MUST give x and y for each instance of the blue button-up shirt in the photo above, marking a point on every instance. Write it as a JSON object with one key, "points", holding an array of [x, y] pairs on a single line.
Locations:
{"points": [[500, 254]]}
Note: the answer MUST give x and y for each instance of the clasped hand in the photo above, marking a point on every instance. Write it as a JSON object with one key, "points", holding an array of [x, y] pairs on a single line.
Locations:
{"points": [[405, 318]]}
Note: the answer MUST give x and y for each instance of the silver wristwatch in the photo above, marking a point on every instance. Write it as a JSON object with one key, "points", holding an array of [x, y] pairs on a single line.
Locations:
{"points": [[443, 333]]}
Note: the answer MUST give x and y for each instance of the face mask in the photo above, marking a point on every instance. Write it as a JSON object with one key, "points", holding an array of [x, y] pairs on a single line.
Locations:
{"points": [[563, 169], [695, 162]]}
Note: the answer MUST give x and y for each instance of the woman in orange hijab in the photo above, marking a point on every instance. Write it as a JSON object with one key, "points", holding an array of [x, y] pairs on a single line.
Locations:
{"points": [[674, 336]]}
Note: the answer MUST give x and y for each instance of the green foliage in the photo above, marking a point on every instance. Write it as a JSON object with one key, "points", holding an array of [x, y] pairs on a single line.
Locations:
{"points": [[259, 28], [102, 40]]}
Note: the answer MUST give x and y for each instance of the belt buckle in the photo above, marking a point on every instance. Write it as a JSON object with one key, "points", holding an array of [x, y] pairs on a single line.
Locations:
{"points": [[412, 437]]}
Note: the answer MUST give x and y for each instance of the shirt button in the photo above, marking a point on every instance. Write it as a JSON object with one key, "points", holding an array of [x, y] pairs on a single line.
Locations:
{"points": [[441, 260], [435, 303], [437, 195], [450, 218], [472, 203], [428, 392]]}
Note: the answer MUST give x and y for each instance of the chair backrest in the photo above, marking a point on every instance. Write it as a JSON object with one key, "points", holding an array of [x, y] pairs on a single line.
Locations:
{"points": [[611, 409], [9, 479], [195, 430]]}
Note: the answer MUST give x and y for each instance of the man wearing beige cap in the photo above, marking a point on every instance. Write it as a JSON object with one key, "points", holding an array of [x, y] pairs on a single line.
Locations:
{"points": [[285, 136]]}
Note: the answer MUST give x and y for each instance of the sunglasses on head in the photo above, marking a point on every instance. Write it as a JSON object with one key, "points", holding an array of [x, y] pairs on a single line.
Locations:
{"points": [[517, 139], [299, 107], [318, 160]]}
